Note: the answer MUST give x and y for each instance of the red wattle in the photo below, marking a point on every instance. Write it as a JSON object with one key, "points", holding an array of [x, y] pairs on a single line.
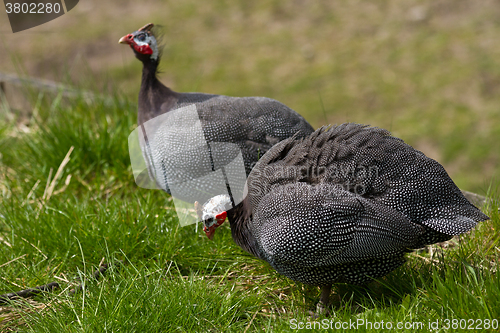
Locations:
{"points": [[221, 218], [143, 49]]}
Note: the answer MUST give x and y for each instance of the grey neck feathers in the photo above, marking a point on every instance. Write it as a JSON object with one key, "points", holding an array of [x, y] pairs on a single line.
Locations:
{"points": [[240, 222]]}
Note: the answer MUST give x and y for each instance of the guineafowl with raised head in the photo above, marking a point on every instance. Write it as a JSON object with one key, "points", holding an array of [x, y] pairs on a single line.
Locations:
{"points": [[342, 205], [253, 124]]}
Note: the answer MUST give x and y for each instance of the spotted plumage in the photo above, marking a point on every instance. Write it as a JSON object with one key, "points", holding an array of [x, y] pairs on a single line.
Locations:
{"points": [[345, 204], [253, 124]]}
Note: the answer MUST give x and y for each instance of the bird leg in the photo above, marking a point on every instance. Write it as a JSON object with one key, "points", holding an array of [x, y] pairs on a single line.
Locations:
{"points": [[324, 300]]}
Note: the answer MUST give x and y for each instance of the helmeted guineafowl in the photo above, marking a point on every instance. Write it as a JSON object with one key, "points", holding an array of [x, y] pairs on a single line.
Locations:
{"points": [[342, 205], [253, 124]]}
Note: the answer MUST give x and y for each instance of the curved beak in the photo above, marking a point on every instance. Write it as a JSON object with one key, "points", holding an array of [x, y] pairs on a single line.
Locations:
{"points": [[209, 231], [127, 39]]}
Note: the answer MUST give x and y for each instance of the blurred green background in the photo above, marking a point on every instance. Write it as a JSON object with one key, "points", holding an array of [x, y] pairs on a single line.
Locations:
{"points": [[429, 71]]}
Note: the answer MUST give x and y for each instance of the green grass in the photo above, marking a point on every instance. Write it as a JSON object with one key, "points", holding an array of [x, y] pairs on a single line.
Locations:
{"points": [[172, 278], [433, 80]]}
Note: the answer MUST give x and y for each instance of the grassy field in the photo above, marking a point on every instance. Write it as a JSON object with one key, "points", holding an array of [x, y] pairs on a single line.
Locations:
{"points": [[429, 71], [175, 279]]}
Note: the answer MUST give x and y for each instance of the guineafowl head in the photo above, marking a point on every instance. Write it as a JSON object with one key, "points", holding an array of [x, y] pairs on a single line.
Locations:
{"points": [[213, 213], [143, 42]]}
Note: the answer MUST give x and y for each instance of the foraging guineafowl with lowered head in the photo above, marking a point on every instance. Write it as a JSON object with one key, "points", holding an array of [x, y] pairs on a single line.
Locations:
{"points": [[342, 205], [254, 124]]}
